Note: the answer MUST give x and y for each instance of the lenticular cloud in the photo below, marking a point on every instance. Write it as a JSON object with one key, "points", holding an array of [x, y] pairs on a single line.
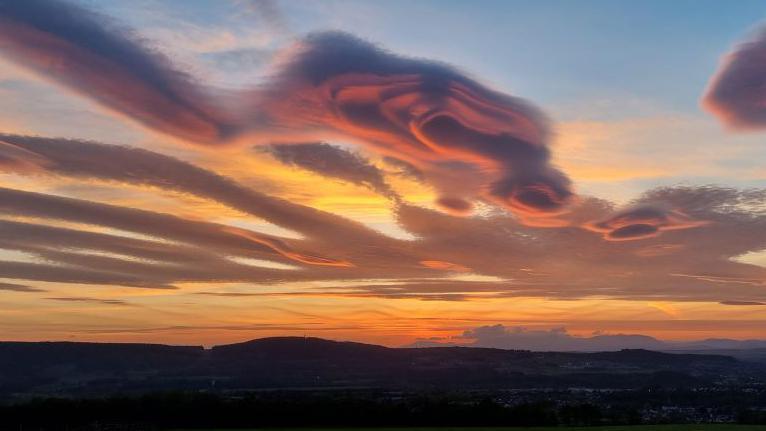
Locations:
{"points": [[644, 221], [92, 56], [470, 142]]}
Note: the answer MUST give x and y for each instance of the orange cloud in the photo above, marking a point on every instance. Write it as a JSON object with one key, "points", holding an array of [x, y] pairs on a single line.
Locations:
{"points": [[84, 52], [447, 266], [14, 158], [468, 141], [736, 93], [641, 222]]}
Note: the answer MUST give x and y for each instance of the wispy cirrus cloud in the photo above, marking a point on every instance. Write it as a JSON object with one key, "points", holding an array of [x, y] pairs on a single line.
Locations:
{"points": [[742, 303], [558, 262], [89, 160], [13, 287], [93, 56], [500, 336], [644, 221]]}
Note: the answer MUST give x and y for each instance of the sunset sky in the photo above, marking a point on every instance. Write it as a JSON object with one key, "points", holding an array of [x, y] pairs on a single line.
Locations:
{"points": [[204, 172]]}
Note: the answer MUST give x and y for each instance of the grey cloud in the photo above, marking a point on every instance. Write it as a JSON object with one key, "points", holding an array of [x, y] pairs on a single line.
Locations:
{"points": [[138, 166], [557, 339], [171, 102], [570, 262], [77, 275], [422, 112], [425, 113], [737, 92], [499, 336], [237, 60], [269, 12]]}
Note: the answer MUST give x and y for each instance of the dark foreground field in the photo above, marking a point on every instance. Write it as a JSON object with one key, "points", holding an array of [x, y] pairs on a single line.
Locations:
{"points": [[706, 427]]}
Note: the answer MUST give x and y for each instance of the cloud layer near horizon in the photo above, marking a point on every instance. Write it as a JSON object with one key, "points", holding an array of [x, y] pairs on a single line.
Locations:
{"points": [[333, 162]]}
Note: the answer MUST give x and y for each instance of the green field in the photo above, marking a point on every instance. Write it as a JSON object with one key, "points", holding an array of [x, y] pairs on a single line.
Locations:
{"points": [[725, 427]]}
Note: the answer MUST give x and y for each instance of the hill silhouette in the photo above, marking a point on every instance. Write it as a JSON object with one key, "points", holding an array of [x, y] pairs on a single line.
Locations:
{"points": [[310, 363]]}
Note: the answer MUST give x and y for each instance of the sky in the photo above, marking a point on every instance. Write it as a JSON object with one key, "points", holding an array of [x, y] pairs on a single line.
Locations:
{"points": [[205, 172]]}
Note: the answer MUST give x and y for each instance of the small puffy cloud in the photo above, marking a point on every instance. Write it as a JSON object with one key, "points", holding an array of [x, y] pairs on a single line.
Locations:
{"points": [[640, 222], [737, 92], [334, 162]]}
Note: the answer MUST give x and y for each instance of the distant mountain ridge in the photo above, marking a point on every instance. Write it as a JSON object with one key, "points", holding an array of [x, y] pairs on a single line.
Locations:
{"points": [[305, 363]]}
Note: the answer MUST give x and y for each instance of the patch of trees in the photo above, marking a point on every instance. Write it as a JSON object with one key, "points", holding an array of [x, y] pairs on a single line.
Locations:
{"points": [[199, 410]]}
